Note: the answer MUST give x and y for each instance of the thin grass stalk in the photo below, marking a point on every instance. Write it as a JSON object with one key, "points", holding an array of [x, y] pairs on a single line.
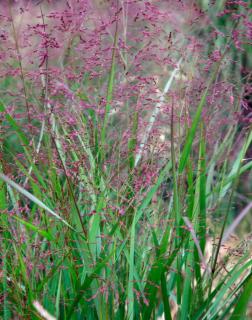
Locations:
{"points": [[248, 140], [32, 198], [156, 112], [4, 276], [197, 244], [85, 233], [240, 309], [19, 62], [165, 297], [109, 91], [44, 81], [176, 207], [196, 120], [230, 230]]}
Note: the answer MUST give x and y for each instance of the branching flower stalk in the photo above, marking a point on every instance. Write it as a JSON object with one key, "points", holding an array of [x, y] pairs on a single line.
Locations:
{"points": [[108, 211]]}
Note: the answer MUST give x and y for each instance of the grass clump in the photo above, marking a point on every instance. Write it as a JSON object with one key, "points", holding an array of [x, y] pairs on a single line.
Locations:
{"points": [[124, 142]]}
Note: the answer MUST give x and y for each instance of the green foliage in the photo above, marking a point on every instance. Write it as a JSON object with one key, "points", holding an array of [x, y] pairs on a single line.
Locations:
{"points": [[87, 247], [81, 291]]}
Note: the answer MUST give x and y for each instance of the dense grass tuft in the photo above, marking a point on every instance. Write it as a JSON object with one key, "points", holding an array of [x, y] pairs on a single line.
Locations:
{"points": [[124, 157]]}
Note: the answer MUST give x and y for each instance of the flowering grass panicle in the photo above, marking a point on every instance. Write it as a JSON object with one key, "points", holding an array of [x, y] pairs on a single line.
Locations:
{"points": [[125, 159]]}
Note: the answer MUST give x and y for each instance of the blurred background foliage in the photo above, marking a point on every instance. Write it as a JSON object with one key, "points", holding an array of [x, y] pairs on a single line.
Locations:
{"points": [[228, 18]]}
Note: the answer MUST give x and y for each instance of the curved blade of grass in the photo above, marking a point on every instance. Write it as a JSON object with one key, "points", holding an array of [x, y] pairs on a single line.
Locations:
{"points": [[237, 167], [42, 311], [242, 303], [204, 306], [236, 222], [43, 233], [176, 207], [136, 275], [190, 189], [192, 131], [159, 267], [153, 190], [197, 243], [131, 272], [57, 306], [187, 289], [51, 273], [210, 299], [6, 307], [230, 301], [202, 191], [24, 140], [41, 135], [33, 198], [229, 180], [165, 297], [14, 125], [89, 279], [233, 277], [153, 281], [237, 163], [136, 218], [23, 271]]}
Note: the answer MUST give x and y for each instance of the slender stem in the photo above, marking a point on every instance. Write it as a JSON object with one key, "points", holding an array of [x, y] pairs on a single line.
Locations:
{"points": [[226, 216], [155, 113], [19, 62], [71, 190]]}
